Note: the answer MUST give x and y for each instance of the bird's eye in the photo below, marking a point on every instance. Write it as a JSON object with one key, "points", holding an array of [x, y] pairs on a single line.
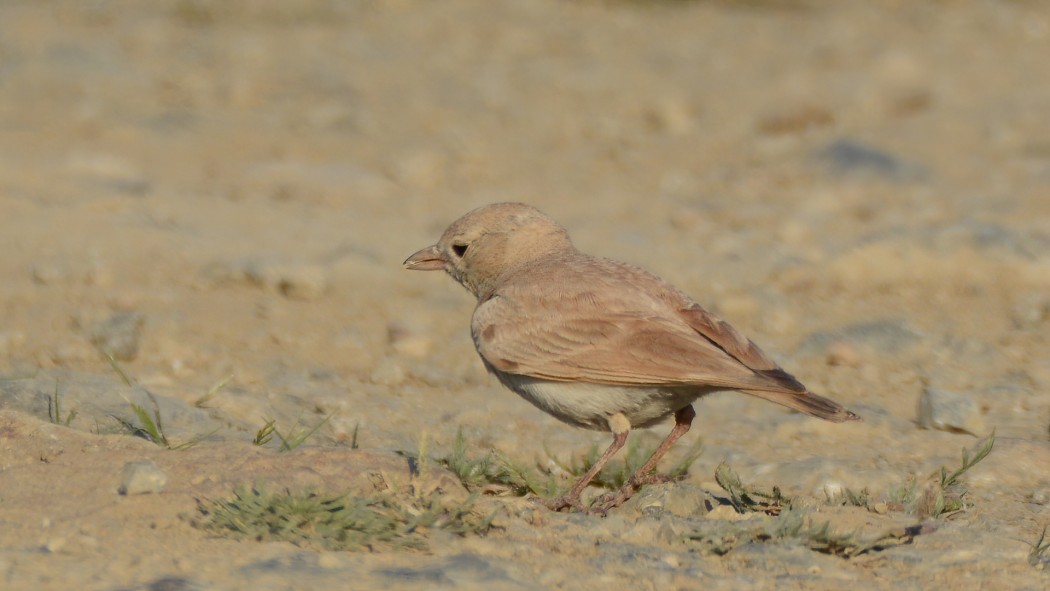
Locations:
{"points": [[459, 249]]}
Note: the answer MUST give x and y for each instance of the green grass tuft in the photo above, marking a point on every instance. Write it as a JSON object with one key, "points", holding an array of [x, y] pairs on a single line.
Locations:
{"points": [[203, 400], [749, 499], [943, 493], [495, 471], [54, 410], [1038, 555], [716, 536], [338, 521], [148, 424], [616, 473]]}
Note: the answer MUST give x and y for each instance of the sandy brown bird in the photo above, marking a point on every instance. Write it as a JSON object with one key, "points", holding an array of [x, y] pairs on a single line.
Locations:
{"points": [[597, 343]]}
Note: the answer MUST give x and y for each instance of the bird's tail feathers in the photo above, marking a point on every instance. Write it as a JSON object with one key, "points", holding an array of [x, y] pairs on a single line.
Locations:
{"points": [[809, 403]]}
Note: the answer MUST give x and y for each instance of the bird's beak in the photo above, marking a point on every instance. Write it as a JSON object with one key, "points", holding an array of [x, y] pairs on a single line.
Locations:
{"points": [[428, 259]]}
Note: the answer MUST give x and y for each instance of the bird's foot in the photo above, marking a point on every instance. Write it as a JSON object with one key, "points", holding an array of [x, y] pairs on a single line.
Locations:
{"points": [[614, 499], [569, 503], [564, 502]]}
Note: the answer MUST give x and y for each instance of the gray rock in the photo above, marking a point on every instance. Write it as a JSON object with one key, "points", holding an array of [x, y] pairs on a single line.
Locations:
{"points": [[459, 571], [846, 156], [679, 499], [91, 402], [169, 583], [141, 477], [118, 335], [948, 411]]}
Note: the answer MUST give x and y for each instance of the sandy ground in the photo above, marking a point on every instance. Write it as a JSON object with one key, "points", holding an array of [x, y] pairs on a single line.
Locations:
{"points": [[222, 194]]}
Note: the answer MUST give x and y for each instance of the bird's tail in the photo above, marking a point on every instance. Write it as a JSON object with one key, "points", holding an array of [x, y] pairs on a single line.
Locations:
{"points": [[809, 403]]}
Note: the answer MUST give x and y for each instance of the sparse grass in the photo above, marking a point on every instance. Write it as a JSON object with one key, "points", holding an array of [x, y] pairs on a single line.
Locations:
{"points": [[721, 537], [54, 410], [616, 473], [298, 436], [293, 438], [494, 471], [1038, 555], [749, 499], [821, 538], [203, 400], [939, 496], [942, 494], [265, 433], [850, 498], [116, 368], [338, 521], [149, 424], [353, 436]]}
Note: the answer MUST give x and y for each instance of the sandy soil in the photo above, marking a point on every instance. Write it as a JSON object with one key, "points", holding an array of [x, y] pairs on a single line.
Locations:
{"points": [[222, 194]]}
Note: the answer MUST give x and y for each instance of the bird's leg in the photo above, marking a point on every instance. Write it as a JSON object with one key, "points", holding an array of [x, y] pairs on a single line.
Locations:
{"points": [[683, 419], [620, 427]]}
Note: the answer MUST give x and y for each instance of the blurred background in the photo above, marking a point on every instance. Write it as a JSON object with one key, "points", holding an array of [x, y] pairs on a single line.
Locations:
{"points": [[222, 193], [219, 196]]}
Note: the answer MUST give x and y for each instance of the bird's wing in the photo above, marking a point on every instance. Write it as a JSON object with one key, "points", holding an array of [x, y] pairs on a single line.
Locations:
{"points": [[741, 348], [588, 329]]}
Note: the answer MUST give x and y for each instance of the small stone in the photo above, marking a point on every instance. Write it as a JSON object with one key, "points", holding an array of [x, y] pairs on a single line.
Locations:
{"points": [[726, 513], [846, 156], [407, 341], [948, 411], [294, 281], [843, 353], [1030, 309], [671, 115], [389, 373], [48, 273], [55, 545], [798, 120], [11, 341], [679, 499], [141, 477], [118, 335]]}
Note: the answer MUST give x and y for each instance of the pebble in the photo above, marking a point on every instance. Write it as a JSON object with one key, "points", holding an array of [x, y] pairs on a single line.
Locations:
{"points": [[1030, 309], [389, 373], [671, 115], [679, 499], [949, 411], [799, 120], [142, 476], [847, 156], [300, 281], [294, 280], [111, 170], [409, 341], [843, 353]]}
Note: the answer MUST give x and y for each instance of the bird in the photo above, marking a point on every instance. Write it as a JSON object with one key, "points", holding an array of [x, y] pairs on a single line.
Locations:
{"points": [[598, 343]]}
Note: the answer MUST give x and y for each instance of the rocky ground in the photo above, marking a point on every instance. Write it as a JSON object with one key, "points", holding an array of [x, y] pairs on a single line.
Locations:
{"points": [[220, 196]]}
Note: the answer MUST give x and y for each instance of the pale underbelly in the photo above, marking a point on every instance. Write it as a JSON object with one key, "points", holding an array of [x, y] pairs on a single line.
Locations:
{"points": [[590, 405]]}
